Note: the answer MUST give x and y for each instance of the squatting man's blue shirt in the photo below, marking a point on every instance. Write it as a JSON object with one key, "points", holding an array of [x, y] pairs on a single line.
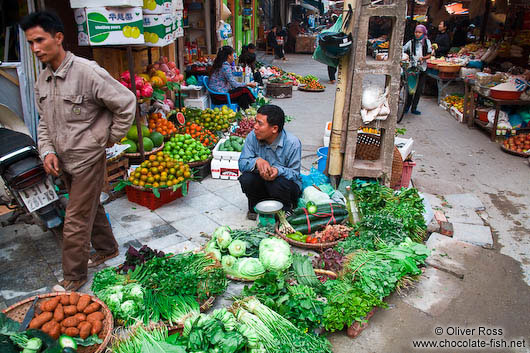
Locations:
{"points": [[285, 154]]}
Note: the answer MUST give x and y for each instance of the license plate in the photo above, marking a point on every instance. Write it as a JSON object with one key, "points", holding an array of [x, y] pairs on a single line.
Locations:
{"points": [[38, 195]]}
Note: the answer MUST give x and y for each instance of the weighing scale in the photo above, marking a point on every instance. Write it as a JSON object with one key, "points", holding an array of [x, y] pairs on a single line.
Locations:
{"points": [[266, 210]]}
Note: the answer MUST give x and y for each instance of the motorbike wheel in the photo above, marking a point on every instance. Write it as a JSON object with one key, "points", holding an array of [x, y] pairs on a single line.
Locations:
{"points": [[402, 100]]}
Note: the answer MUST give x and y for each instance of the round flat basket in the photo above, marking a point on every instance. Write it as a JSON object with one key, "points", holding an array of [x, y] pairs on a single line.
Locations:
{"points": [[18, 311], [515, 153], [200, 163], [369, 148], [137, 155], [298, 244], [238, 279], [305, 89]]}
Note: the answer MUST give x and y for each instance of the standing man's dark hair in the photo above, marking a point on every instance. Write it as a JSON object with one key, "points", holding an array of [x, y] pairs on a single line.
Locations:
{"points": [[48, 20], [274, 114]]}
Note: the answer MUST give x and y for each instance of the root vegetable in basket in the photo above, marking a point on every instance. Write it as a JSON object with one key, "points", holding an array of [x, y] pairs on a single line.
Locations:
{"points": [[84, 330], [96, 327], [74, 298], [92, 308], [70, 310], [55, 330], [81, 317], [40, 320], [50, 304], [65, 299], [83, 302], [71, 321], [97, 316], [72, 331], [58, 314]]}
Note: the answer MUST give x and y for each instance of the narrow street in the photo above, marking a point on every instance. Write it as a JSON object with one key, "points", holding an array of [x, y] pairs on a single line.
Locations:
{"points": [[469, 282]]}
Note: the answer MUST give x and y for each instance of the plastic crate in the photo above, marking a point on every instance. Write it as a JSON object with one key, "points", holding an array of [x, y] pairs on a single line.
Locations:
{"points": [[147, 199], [202, 171]]}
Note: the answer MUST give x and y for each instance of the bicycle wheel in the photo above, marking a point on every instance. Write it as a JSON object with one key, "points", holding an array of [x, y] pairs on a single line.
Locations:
{"points": [[402, 100]]}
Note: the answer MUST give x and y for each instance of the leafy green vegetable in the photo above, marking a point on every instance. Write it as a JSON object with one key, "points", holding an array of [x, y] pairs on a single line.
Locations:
{"points": [[250, 268], [89, 341], [346, 304], [275, 254], [252, 238], [304, 272], [378, 272], [8, 326]]}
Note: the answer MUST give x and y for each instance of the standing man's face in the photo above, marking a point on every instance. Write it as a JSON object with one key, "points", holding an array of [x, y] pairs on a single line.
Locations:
{"points": [[45, 46]]}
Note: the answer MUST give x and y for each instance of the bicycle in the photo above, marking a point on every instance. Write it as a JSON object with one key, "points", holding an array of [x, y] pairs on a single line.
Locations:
{"points": [[407, 85]]}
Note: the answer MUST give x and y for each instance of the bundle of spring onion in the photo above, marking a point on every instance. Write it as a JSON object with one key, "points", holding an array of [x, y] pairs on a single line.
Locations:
{"points": [[286, 337], [142, 339]]}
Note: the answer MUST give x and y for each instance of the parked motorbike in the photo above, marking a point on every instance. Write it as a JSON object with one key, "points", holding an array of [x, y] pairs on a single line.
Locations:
{"points": [[28, 188]]}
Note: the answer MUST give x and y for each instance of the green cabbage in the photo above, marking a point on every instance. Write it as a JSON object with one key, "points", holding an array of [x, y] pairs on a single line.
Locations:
{"points": [[237, 248], [275, 254], [250, 268], [222, 236], [228, 262]]}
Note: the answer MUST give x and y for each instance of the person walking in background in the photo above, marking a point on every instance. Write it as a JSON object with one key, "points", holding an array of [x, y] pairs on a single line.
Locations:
{"points": [[419, 49], [294, 29], [222, 80], [442, 40], [332, 71], [273, 42], [82, 110]]}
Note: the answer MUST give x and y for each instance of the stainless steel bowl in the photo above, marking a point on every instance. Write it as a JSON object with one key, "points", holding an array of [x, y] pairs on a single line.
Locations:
{"points": [[268, 207]]}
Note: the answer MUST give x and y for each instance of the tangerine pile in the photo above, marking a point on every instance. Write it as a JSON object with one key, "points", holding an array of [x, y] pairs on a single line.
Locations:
{"points": [[160, 171], [160, 124], [198, 132], [314, 85]]}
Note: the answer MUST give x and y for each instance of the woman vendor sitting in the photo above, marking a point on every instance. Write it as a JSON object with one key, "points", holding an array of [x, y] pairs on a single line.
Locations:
{"points": [[222, 80]]}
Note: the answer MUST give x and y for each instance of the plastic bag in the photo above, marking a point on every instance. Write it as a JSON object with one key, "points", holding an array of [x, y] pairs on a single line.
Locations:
{"points": [[318, 197], [314, 177], [319, 54], [503, 117]]}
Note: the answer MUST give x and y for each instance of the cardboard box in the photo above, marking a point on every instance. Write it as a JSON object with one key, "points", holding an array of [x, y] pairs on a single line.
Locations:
{"points": [[157, 7], [109, 25], [178, 5], [76, 4], [158, 30], [178, 28]]}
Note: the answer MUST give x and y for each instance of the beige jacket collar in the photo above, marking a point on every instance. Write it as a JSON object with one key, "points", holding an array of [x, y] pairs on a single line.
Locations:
{"points": [[62, 70]]}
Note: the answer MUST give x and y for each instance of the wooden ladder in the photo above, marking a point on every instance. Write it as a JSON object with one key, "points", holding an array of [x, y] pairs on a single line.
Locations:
{"points": [[382, 167]]}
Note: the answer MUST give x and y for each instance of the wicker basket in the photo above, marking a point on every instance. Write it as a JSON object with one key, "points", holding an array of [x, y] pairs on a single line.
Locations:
{"points": [[299, 244], [18, 311], [200, 163], [137, 155], [369, 147]]}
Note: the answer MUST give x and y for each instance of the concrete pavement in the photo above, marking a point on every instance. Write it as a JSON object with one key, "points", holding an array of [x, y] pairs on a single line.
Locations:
{"points": [[465, 286]]}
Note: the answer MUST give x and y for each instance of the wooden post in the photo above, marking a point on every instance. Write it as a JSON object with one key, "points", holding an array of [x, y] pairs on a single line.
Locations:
{"points": [[130, 60], [485, 21]]}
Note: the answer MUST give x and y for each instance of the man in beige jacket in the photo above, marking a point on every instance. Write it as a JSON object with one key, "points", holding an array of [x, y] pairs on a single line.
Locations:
{"points": [[82, 110]]}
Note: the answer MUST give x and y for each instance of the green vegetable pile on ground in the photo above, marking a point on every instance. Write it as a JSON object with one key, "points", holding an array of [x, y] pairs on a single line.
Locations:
{"points": [[379, 272], [295, 296], [163, 288], [248, 254], [388, 217]]}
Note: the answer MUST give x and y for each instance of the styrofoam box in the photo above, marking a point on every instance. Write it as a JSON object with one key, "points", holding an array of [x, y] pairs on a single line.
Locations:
{"points": [[404, 146], [224, 154], [227, 169], [457, 115], [325, 141], [201, 103], [77, 4]]}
